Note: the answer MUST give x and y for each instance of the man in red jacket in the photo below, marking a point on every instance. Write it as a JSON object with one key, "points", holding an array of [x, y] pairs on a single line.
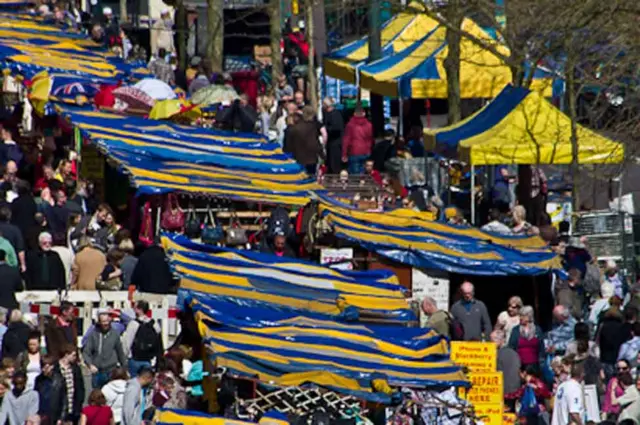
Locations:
{"points": [[357, 142]]}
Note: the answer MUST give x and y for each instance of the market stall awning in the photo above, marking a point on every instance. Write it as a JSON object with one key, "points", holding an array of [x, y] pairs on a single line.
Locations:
{"points": [[400, 32], [164, 157], [190, 417], [257, 279], [285, 349], [418, 71], [33, 49], [456, 249], [522, 127]]}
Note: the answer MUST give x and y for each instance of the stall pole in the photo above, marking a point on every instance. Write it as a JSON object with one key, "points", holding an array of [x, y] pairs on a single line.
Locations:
{"points": [[158, 218], [78, 147], [400, 118], [428, 108], [473, 201]]}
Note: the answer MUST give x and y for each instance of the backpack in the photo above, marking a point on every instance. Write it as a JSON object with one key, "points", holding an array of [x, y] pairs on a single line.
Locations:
{"points": [[528, 403], [278, 222], [146, 342], [591, 281], [456, 328]]}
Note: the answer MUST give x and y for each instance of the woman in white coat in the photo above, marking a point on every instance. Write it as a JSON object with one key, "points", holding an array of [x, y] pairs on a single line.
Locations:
{"points": [[114, 392]]}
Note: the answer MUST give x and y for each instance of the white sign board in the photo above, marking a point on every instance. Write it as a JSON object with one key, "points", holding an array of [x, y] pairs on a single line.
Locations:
{"points": [[431, 283], [591, 403], [337, 258]]}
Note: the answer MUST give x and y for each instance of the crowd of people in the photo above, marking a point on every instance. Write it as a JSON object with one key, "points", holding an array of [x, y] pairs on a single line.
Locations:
{"points": [[130, 373], [594, 340]]}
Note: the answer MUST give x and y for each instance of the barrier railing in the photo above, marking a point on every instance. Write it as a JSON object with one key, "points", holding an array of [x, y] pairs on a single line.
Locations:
{"points": [[87, 304]]}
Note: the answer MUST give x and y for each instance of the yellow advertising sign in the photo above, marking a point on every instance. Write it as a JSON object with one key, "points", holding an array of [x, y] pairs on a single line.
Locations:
{"points": [[509, 419], [490, 414], [486, 388], [477, 356]]}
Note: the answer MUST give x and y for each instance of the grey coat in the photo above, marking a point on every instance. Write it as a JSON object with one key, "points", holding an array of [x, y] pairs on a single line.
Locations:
{"points": [[509, 365], [104, 350], [475, 320], [132, 406], [18, 409]]}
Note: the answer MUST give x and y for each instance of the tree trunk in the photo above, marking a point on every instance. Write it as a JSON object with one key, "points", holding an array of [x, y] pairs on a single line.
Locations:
{"points": [[275, 31], [452, 62], [181, 30], [123, 11], [313, 78], [215, 31]]}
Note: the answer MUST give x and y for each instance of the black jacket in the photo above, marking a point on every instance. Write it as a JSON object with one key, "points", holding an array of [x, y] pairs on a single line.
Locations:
{"points": [[38, 278], [59, 402], [334, 124], [15, 340], [44, 387], [10, 283], [23, 214], [152, 273], [610, 336]]}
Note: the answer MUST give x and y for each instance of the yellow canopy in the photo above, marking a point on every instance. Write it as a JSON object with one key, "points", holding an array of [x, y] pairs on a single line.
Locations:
{"points": [[522, 127], [418, 71], [397, 34]]}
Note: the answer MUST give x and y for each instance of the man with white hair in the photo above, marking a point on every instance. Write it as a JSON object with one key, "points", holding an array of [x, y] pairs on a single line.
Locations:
{"points": [[439, 320], [162, 34], [601, 305], [612, 276], [562, 332], [45, 270], [472, 314]]}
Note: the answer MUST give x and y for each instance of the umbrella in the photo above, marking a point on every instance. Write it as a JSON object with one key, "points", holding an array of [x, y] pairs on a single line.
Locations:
{"points": [[169, 108], [210, 95], [134, 97], [155, 88]]}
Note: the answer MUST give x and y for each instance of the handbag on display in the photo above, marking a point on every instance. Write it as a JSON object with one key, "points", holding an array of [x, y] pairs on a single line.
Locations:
{"points": [[146, 229], [236, 235], [212, 234], [172, 216], [192, 225]]}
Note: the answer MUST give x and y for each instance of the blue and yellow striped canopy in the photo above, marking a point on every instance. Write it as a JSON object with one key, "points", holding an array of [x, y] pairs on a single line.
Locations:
{"points": [[252, 278], [162, 157], [353, 359], [400, 32], [519, 126], [416, 69], [190, 417], [29, 47], [427, 244]]}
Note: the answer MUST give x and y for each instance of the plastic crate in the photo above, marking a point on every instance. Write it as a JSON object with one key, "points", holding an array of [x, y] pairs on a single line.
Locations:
{"points": [[593, 224], [609, 246]]}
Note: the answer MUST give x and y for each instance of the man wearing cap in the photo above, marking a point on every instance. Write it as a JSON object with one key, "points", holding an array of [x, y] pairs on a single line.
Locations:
{"points": [[162, 34], [111, 27]]}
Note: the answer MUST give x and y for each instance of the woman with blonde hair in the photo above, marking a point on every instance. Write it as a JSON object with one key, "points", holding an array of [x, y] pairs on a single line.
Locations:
{"points": [[510, 318], [520, 224], [265, 107]]}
